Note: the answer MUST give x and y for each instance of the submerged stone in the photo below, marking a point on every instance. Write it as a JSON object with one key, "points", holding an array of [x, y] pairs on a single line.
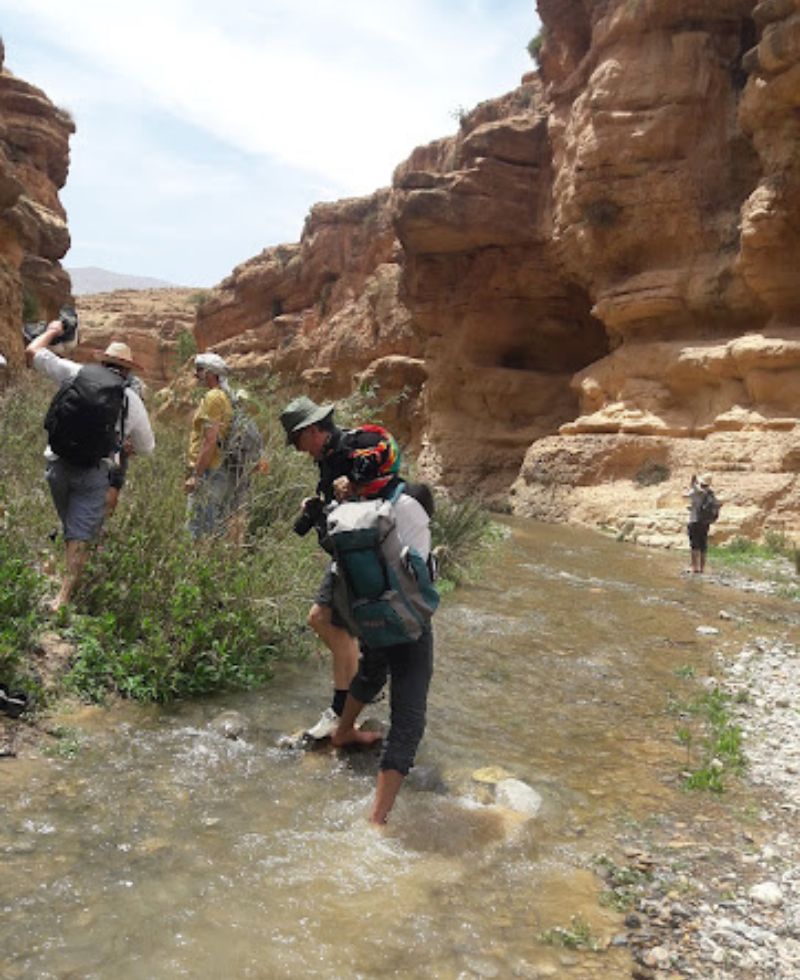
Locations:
{"points": [[518, 796], [230, 724]]}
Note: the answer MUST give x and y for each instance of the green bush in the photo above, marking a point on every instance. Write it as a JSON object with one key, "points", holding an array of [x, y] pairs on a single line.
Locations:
{"points": [[171, 617], [187, 346], [157, 616], [21, 587], [534, 46]]}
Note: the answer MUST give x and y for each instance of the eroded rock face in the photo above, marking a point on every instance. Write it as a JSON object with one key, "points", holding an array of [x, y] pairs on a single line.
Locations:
{"points": [[323, 311], [157, 325], [504, 330], [675, 183], [34, 160], [592, 280]]}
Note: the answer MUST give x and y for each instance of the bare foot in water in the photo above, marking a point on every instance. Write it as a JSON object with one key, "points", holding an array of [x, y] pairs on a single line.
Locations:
{"points": [[354, 736]]}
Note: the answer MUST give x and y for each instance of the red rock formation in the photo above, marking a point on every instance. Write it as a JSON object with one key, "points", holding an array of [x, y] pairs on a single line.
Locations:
{"points": [[151, 321], [322, 312], [595, 276], [673, 198], [34, 159]]}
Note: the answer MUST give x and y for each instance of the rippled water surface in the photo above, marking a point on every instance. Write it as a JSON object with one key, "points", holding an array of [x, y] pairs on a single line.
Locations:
{"points": [[162, 849]]}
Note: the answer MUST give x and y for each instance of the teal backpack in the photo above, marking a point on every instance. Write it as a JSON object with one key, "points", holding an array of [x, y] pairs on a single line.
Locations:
{"points": [[383, 589]]}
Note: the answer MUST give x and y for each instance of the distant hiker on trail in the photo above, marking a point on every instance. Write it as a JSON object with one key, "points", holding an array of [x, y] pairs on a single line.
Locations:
{"points": [[209, 484], [383, 586], [93, 416], [310, 428], [703, 511]]}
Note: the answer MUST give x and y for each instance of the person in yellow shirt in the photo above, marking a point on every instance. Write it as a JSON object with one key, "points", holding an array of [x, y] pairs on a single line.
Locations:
{"points": [[210, 485]]}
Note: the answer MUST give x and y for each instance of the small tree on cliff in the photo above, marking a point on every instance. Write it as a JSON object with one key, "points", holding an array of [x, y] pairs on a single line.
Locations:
{"points": [[535, 46]]}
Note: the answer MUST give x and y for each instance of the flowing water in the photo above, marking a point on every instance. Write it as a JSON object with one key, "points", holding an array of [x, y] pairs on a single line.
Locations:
{"points": [[162, 849]]}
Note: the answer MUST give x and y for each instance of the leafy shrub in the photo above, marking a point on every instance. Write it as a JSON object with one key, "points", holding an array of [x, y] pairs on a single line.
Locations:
{"points": [[187, 346], [534, 46], [21, 587], [156, 615], [172, 617]]}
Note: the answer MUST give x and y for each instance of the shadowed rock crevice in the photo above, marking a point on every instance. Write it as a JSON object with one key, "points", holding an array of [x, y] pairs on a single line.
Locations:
{"points": [[34, 160]]}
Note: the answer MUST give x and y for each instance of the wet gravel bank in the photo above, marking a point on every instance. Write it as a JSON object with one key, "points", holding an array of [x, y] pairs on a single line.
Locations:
{"points": [[706, 903]]}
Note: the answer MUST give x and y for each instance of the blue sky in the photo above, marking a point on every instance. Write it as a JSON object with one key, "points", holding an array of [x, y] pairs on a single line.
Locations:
{"points": [[206, 129]]}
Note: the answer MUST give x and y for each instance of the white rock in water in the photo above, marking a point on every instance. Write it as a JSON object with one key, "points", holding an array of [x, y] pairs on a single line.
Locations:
{"points": [[707, 630], [518, 796], [766, 893]]}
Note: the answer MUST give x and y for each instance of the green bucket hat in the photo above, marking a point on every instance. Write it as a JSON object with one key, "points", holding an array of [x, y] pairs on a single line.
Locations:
{"points": [[300, 413]]}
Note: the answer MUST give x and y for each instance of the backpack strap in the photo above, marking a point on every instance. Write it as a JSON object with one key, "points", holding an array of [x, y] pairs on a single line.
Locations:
{"points": [[394, 496]]}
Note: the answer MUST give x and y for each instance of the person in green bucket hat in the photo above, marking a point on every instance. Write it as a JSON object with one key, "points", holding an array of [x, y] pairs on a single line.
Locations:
{"points": [[338, 453]]}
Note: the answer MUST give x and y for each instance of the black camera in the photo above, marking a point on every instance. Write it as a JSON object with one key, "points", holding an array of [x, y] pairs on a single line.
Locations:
{"points": [[312, 512], [69, 321]]}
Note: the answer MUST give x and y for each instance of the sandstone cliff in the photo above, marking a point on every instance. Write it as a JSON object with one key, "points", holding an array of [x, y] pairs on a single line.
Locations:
{"points": [[34, 159], [587, 292], [153, 322]]}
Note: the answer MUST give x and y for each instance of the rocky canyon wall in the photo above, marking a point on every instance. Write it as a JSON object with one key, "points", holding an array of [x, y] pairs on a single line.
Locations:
{"points": [[585, 294], [34, 160]]}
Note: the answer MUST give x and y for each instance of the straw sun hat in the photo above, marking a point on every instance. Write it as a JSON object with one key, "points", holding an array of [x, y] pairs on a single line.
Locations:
{"points": [[119, 354]]}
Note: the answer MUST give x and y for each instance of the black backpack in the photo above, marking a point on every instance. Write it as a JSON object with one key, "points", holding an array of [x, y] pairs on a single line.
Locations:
{"points": [[708, 511], [81, 421]]}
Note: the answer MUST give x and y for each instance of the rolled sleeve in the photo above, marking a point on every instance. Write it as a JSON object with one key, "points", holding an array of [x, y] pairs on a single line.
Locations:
{"points": [[58, 369]]}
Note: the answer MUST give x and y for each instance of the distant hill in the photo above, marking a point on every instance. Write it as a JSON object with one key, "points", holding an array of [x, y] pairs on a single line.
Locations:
{"points": [[93, 280]]}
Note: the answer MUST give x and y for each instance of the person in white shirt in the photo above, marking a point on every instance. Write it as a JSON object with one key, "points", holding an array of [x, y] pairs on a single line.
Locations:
{"points": [[408, 665], [79, 492]]}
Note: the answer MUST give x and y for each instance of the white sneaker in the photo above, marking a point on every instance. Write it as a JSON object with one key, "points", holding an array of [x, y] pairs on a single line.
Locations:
{"points": [[326, 726]]}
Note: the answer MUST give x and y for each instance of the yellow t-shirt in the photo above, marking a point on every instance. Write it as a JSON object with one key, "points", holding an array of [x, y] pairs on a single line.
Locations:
{"points": [[214, 408]]}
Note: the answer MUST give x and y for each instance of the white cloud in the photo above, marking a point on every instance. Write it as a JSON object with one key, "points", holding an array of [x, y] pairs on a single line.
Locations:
{"points": [[338, 90]]}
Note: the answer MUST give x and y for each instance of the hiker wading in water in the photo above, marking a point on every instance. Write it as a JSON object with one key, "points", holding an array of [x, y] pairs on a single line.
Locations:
{"points": [[310, 428]]}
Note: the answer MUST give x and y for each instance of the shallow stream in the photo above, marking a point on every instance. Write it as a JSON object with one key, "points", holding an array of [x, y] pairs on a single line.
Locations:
{"points": [[163, 849]]}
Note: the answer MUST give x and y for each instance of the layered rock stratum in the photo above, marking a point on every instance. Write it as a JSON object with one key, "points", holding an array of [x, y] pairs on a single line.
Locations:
{"points": [[589, 291], [157, 325], [581, 297], [34, 160]]}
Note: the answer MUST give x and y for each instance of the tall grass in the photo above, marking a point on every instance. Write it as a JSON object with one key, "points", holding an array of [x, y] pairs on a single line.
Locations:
{"points": [[156, 615]]}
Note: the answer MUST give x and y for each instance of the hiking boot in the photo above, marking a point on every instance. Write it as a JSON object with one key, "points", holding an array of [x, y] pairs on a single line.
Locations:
{"points": [[326, 726], [13, 703]]}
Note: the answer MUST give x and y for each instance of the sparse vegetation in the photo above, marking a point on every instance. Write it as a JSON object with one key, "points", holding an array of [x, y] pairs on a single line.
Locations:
{"points": [[460, 114], [624, 884], [534, 46], [156, 616], [187, 346], [775, 558], [651, 473], [713, 741], [30, 307], [578, 935]]}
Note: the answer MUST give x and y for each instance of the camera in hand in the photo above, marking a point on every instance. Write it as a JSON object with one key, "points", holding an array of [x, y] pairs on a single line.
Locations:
{"points": [[69, 321], [312, 512]]}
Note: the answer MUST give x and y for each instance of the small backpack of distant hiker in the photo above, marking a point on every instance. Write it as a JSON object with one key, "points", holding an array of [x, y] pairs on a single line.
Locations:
{"points": [[382, 588], [81, 421], [244, 444], [708, 511]]}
